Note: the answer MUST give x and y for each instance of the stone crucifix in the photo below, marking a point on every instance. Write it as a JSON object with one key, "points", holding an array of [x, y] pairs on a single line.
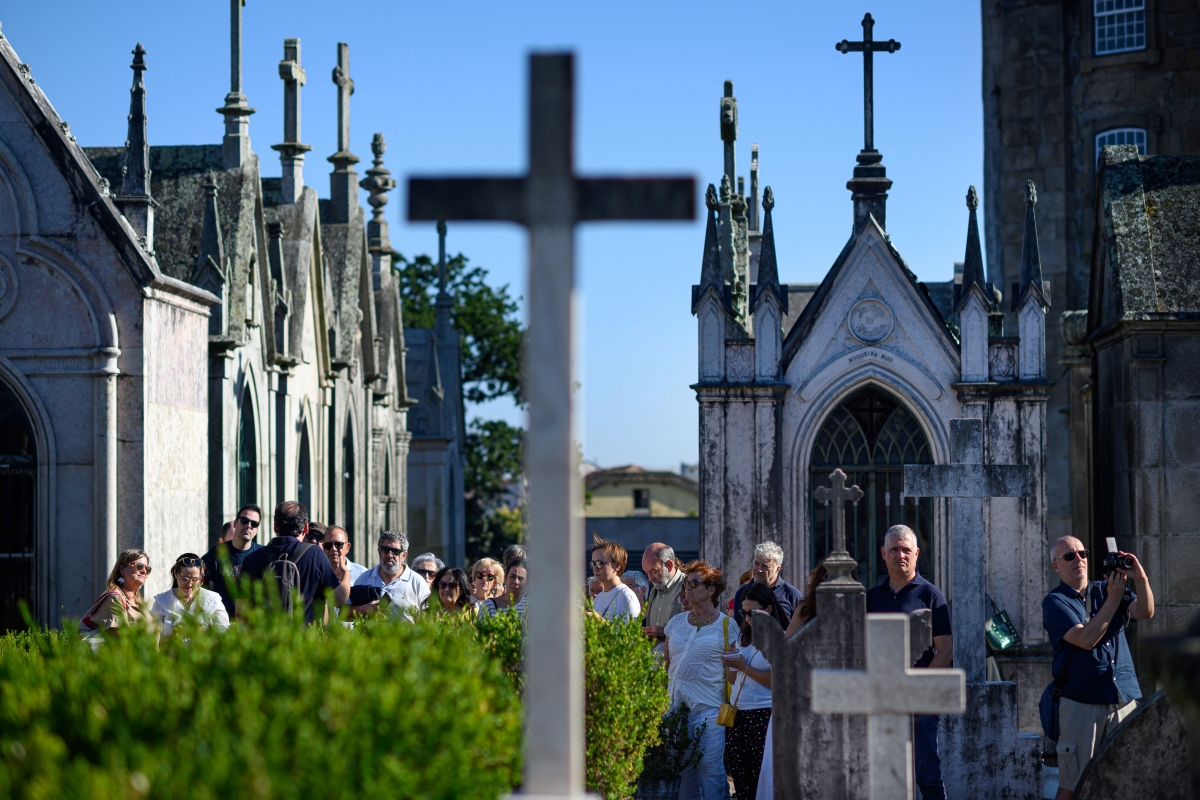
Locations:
{"points": [[967, 480], [868, 47], [343, 182], [889, 691], [550, 200], [291, 149], [838, 563]]}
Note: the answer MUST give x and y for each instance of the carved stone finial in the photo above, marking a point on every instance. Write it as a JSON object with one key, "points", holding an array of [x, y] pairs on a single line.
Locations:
{"points": [[236, 144], [710, 198], [379, 180], [972, 198], [378, 145], [1030, 194], [768, 199], [343, 179], [726, 189]]}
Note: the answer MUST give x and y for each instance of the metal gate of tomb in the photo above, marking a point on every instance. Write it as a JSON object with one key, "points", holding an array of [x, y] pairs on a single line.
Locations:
{"points": [[18, 498]]}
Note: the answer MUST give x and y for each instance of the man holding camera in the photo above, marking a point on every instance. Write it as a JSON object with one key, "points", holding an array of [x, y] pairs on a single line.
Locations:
{"points": [[1085, 621]]}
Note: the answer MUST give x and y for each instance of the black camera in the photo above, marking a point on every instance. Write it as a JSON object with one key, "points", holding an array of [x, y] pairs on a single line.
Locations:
{"points": [[1114, 561]]}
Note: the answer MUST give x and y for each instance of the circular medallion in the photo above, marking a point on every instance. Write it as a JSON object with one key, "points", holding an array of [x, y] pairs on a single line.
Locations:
{"points": [[8, 287], [871, 320]]}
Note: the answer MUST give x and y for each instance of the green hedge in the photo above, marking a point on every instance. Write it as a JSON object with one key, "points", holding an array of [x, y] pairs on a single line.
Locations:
{"points": [[269, 709]]}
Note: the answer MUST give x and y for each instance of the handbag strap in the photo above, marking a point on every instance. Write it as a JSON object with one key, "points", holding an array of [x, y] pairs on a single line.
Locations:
{"points": [[742, 685], [1061, 679], [725, 624]]}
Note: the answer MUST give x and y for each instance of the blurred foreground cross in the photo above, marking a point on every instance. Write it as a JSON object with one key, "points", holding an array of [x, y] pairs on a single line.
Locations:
{"points": [[549, 201]]}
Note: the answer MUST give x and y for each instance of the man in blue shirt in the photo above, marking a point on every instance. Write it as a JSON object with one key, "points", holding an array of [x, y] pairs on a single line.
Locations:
{"points": [[1086, 620], [768, 561], [904, 591]]}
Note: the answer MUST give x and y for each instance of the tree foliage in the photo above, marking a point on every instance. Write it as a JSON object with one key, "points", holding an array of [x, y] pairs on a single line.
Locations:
{"points": [[485, 317], [494, 452]]}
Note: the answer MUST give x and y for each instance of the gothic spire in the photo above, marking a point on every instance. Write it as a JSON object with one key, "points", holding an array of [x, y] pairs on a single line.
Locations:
{"points": [[753, 199], [209, 270], [710, 265], [379, 182], [768, 265], [973, 260], [291, 150], [236, 144], [343, 181], [1031, 258], [134, 200]]}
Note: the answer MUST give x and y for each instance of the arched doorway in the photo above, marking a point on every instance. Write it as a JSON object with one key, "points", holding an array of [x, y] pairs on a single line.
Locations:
{"points": [[304, 472], [247, 459], [348, 498], [870, 436], [18, 498]]}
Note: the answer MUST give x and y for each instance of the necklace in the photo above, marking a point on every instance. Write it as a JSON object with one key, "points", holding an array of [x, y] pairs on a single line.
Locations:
{"points": [[692, 618]]}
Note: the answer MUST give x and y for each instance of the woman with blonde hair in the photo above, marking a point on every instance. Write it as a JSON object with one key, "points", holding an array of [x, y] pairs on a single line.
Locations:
{"points": [[187, 598], [121, 603], [487, 580]]}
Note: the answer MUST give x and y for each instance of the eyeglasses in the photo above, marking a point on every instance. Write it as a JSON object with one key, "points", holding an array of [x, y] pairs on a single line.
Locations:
{"points": [[601, 564], [394, 551], [334, 545], [428, 573], [695, 583], [146, 568], [483, 576], [315, 538], [447, 587], [188, 562], [1070, 555], [188, 578], [253, 523]]}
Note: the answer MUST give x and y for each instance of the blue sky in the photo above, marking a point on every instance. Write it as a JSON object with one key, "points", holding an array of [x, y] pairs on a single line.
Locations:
{"points": [[445, 82]]}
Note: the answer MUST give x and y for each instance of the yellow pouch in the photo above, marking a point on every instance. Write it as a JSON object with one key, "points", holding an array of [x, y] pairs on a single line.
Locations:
{"points": [[728, 712]]}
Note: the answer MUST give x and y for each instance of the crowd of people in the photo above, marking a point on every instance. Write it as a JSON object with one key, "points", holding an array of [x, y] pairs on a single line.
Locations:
{"points": [[707, 648]]}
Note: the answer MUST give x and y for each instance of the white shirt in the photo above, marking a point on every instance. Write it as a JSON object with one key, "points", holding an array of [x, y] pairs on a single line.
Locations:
{"points": [[206, 606], [753, 694], [356, 571], [491, 609], [696, 674], [618, 602], [408, 592]]}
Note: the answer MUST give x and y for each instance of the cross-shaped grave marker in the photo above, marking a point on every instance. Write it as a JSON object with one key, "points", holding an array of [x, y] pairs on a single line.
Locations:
{"points": [[868, 47], [967, 480], [838, 563], [890, 691], [550, 200]]}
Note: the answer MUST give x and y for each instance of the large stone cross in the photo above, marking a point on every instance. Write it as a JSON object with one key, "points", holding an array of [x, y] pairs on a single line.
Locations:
{"points": [[345, 86], [890, 691], [838, 563], [868, 46], [549, 201], [967, 480], [291, 149]]}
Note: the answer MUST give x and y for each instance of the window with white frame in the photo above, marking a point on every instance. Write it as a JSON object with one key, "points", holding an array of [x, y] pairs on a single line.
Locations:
{"points": [[1120, 26], [1134, 136]]}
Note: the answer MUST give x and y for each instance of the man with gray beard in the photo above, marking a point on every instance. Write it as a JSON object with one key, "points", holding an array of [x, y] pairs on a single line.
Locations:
{"points": [[407, 590], [666, 584]]}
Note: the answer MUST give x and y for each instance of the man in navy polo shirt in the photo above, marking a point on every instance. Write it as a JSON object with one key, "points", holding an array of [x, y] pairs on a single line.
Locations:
{"points": [[1086, 620], [904, 591]]}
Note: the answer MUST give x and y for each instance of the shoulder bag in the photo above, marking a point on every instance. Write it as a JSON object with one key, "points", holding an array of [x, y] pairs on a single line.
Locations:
{"points": [[728, 711]]}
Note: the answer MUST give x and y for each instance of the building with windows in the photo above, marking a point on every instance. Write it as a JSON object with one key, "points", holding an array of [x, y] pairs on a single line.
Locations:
{"points": [[637, 507], [1060, 81]]}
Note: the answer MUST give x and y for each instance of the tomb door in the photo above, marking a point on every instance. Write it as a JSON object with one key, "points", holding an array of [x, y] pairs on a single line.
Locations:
{"points": [[871, 436], [18, 498], [247, 458]]}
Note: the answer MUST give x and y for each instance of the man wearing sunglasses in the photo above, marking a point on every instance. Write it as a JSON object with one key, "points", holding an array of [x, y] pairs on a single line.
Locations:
{"points": [[1086, 621], [336, 544], [232, 552], [406, 590]]}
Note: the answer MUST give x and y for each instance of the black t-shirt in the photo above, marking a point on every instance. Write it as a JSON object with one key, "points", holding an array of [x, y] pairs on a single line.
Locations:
{"points": [[315, 573], [786, 595], [913, 596], [216, 578]]}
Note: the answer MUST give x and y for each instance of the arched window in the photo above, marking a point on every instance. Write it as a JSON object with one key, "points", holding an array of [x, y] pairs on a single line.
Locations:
{"points": [[1134, 136], [247, 459], [871, 437], [348, 478], [304, 472], [18, 498]]}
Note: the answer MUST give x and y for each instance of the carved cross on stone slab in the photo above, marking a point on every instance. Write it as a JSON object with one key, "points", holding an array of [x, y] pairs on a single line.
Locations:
{"points": [[838, 563], [890, 692], [550, 200], [967, 481]]}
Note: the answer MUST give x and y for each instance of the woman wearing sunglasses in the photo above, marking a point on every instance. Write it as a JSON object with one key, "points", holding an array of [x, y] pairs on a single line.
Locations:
{"points": [[451, 593], [120, 605], [187, 598], [696, 674], [487, 580]]}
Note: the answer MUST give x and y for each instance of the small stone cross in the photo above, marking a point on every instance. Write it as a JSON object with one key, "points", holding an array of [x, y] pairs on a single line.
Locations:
{"points": [[838, 562], [550, 200], [890, 692], [868, 47], [341, 77], [967, 481]]}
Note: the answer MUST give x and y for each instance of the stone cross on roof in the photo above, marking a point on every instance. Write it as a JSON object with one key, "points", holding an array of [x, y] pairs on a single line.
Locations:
{"points": [[729, 130], [343, 182], [550, 200], [838, 563], [235, 147], [291, 150], [890, 691], [868, 47], [967, 480]]}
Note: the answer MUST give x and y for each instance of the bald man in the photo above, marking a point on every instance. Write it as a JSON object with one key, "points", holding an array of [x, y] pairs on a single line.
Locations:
{"points": [[666, 583], [1085, 621]]}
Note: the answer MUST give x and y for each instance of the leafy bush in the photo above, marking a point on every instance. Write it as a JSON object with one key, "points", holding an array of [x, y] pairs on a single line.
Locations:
{"points": [[626, 695], [270, 709], [503, 638], [676, 750]]}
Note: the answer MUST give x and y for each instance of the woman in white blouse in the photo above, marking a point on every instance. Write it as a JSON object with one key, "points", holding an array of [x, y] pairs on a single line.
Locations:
{"points": [[696, 675], [187, 598]]}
